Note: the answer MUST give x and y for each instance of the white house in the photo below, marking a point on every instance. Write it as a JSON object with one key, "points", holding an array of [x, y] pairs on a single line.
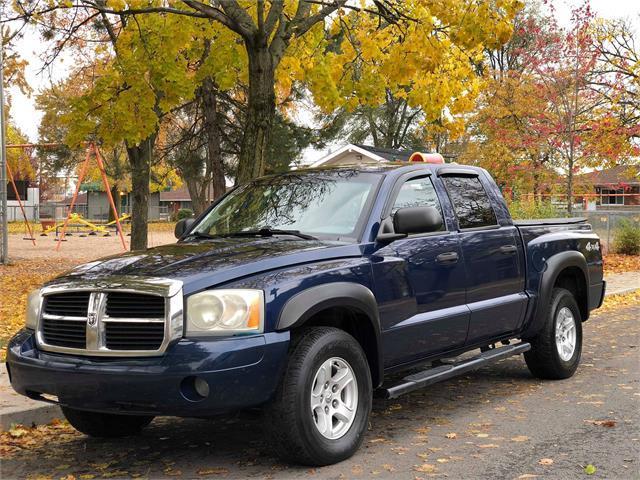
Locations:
{"points": [[30, 198], [352, 154]]}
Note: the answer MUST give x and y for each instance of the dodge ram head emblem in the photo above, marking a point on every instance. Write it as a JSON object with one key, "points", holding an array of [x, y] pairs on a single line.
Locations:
{"points": [[92, 319]]}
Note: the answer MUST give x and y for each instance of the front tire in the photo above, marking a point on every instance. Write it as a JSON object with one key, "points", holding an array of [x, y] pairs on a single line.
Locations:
{"points": [[105, 425], [321, 408], [556, 349]]}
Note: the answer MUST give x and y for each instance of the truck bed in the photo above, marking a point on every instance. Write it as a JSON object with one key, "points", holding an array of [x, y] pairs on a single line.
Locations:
{"points": [[549, 221]]}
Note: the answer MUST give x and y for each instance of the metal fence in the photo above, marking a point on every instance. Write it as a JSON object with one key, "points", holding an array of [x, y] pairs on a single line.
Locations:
{"points": [[605, 223], [56, 211], [14, 214]]}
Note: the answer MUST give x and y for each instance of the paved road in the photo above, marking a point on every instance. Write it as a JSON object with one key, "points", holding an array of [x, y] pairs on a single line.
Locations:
{"points": [[497, 422]]}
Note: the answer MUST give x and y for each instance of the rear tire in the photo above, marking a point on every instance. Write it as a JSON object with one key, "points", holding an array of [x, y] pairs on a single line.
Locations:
{"points": [[105, 425], [556, 349], [321, 408]]}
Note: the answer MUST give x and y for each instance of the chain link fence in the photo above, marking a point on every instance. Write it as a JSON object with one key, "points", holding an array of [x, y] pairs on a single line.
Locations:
{"points": [[605, 223], [58, 212]]}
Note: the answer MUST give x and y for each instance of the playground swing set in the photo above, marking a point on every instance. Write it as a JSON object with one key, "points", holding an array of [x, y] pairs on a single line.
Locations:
{"points": [[72, 219]]}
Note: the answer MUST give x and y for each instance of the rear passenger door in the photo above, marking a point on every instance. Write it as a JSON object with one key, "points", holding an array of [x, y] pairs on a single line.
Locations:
{"points": [[493, 258], [422, 290]]}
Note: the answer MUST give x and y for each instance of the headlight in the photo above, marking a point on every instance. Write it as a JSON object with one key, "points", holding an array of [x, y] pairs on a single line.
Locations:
{"points": [[225, 312], [33, 309]]}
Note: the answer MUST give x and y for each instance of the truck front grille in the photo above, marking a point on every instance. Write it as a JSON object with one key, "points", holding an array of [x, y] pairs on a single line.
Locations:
{"points": [[134, 335], [104, 323], [72, 304], [134, 305], [65, 333]]}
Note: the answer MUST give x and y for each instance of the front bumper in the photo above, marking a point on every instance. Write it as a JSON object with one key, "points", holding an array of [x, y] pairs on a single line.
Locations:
{"points": [[241, 372]]}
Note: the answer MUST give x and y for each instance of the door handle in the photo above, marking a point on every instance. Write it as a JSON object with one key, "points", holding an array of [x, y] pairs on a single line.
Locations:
{"points": [[447, 258], [508, 249]]}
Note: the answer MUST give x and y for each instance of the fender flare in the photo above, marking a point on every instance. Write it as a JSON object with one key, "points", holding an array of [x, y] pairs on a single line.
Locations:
{"points": [[552, 269], [303, 305]]}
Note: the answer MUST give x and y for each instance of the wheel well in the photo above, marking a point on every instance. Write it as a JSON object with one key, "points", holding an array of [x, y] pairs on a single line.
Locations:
{"points": [[358, 325], [572, 279]]}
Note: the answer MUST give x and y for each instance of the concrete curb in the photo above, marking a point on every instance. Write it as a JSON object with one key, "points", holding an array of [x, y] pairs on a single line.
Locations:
{"points": [[16, 409], [29, 416], [622, 291]]}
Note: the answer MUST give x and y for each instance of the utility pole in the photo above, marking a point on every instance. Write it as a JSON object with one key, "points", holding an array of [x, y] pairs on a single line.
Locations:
{"points": [[4, 238]]}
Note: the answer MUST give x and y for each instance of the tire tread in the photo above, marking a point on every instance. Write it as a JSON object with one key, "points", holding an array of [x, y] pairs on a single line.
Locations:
{"points": [[542, 360]]}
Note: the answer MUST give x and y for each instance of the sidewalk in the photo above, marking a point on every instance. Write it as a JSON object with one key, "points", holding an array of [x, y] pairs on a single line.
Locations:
{"points": [[17, 409], [621, 283]]}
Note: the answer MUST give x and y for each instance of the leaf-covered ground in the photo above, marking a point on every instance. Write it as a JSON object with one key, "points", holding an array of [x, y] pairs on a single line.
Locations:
{"points": [[617, 263], [497, 422], [16, 281], [21, 228]]}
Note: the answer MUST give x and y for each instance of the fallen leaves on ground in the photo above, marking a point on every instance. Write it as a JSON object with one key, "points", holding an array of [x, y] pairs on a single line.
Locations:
{"points": [[617, 263], [425, 468], [603, 423], [19, 437], [16, 281], [613, 302], [16, 228], [212, 471], [546, 461], [590, 469], [451, 435]]}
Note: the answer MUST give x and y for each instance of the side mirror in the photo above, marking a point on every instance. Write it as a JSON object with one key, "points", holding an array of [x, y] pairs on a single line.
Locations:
{"points": [[417, 220], [183, 226]]}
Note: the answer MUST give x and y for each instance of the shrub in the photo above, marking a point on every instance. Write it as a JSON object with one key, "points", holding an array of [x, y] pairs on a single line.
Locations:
{"points": [[182, 213], [626, 239], [526, 208]]}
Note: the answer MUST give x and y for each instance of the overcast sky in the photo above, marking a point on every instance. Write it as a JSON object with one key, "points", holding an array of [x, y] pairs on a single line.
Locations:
{"points": [[31, 47]]}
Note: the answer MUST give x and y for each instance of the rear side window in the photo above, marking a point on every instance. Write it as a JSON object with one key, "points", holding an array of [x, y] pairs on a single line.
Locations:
{"points": [[470, 202]]}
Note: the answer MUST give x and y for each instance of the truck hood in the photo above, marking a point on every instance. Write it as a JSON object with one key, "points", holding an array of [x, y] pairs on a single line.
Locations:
{"points": [[212, 262]]}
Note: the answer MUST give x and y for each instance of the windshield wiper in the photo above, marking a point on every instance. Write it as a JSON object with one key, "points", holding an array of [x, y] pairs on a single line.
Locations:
{"points": [[268, 232], [202, 235]]}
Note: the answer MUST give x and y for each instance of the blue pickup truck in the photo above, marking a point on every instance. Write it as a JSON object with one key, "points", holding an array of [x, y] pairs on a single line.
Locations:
{"points": [[304, 294]]}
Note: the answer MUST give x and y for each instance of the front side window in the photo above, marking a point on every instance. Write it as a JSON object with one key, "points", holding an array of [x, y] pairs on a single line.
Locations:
{"points": [[329, 204], [470, 202], [417, 192]]}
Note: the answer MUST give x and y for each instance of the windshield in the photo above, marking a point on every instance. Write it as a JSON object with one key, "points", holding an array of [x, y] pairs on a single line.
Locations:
{"points": [[325, 204]]}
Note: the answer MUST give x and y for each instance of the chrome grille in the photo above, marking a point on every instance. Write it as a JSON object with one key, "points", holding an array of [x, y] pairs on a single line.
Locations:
{"points": [[65, 333], [134, 305], [71, 304], [134, 335], [125, 316], [134, 321]]}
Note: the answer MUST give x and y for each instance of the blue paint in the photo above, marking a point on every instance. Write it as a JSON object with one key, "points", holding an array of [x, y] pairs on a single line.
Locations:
{"points": [[426, 309]]}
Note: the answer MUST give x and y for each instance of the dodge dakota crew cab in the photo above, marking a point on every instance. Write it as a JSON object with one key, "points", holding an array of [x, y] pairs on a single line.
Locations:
{"points": [[301, 293]]}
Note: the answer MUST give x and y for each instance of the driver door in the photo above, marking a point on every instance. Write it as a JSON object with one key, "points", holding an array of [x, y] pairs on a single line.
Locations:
{"points": [[420, 285]]}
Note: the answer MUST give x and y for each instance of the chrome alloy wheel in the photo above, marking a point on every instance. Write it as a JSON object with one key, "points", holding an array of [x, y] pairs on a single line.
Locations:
{"points": [[334, 398], [565, 333]]}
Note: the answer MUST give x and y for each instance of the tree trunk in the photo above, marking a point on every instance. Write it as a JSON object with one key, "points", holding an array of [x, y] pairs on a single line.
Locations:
{"points": [[536, 177], [261, 110], [570, 189], [197, 192], [140, 163], [215, 165]]}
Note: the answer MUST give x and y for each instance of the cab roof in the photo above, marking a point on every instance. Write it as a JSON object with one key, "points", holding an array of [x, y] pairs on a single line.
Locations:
{"points": [[398, 168]]}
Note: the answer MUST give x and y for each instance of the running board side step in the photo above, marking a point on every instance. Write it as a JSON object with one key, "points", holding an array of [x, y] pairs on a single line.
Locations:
{"points": [[445, 372]]}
